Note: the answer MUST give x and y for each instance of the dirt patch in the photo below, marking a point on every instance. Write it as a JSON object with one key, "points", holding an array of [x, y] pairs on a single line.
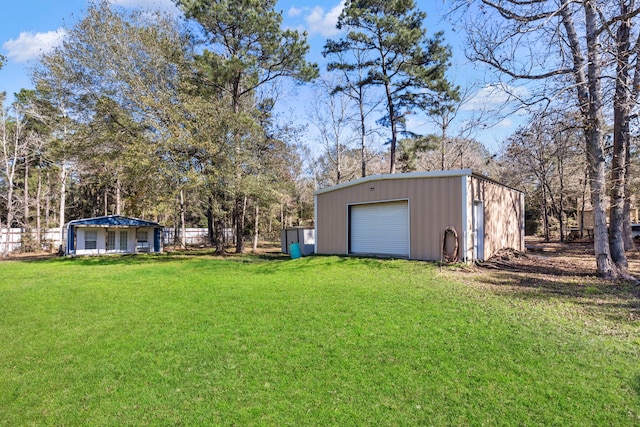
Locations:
{"points": [[29, 256], [575, 259]]}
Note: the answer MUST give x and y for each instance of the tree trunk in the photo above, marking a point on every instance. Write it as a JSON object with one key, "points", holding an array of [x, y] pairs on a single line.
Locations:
{"points": [[363, 139], [338, 162], [219, 235], [26, 202], [282, 216], [545, 215], [629, 244], [9, 160], [561, 218], [589, 92], [442, 141], [63, 198], [255, 229], [210, 231], [9, 214], [584, 202], [597, 179], [604, 263], [238, 214], [394, 125], [561, 222], [183, 225], [47, 202], [561, 196], [621, 134], [4, 238], [118, 196], [39, 212]]}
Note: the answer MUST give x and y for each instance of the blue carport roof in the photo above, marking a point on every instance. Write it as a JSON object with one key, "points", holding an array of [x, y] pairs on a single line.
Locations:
{"points": [[114, 221]]}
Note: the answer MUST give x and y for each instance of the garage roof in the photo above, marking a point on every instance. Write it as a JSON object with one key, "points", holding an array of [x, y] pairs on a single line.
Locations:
{"points": [[410, 175]]}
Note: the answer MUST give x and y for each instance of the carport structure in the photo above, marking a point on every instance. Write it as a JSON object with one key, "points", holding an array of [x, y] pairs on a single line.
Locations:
{"points": [[112, 234]]}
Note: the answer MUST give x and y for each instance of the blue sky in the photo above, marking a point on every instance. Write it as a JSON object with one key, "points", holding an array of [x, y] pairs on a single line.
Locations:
{"points": [[31, 27]]}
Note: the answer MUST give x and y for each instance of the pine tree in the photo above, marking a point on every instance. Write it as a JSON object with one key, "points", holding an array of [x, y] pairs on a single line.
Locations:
{"points": [[400, 58]]}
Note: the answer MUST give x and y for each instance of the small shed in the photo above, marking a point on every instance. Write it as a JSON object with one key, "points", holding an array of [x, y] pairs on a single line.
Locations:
{"points": [[421, 215], [304, 236], [113, 234]]}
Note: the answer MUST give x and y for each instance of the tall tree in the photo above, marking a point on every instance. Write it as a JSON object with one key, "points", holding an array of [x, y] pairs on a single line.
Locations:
{"points": [[442, 112], [40, 121], [11, 149], [329, 114], [122, 75], [353, 84], [246, 49], [627, 92], [30, 109], [400, 58], [565, 46], [547, 158]]}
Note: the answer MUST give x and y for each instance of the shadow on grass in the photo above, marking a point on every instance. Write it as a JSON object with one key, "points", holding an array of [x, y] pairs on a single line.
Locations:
{"points": [[266, 263], [528, 268], [635, 384], [617, 301], [136, 259], [564, 272]]}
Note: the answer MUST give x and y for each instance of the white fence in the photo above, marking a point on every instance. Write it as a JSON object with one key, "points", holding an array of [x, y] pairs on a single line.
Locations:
{"points": [[12, 239], [192, 236]]}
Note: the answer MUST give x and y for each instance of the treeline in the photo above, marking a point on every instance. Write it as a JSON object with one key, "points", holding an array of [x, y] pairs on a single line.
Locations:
{"points": [[173, 118], [127, 118]]}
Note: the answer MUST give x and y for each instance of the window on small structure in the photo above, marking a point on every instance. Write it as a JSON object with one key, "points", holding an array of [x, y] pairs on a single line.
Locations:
{"points": [[124, 240], [91, 239], [111, 240], [142, 242]]}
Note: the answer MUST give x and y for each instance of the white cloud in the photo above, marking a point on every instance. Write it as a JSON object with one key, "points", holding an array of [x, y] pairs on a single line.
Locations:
{"points": [[324, 23], [506, 123], [29, 45], [294, 11], [495, 95]]}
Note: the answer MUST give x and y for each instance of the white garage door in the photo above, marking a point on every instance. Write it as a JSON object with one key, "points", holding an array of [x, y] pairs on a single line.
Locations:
{"points": [[380, 229]]}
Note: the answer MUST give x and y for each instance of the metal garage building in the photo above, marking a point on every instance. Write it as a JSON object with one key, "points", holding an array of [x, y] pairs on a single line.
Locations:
{"points": [[409, 215]]}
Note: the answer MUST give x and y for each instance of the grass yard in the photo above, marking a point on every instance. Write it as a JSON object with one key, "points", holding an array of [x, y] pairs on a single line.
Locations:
{"points": [[197, 340]]}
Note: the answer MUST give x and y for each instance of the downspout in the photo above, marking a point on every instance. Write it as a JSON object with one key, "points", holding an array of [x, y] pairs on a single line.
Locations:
{"points": [[465, 225]]}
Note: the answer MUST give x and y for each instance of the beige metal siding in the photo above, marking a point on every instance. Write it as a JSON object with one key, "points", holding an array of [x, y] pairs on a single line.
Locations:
{"points": [[434, 204], [503, 216]]}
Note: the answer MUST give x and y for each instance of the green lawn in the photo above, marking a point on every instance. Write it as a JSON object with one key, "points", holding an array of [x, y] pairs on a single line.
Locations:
{"points": [[164, 340]]}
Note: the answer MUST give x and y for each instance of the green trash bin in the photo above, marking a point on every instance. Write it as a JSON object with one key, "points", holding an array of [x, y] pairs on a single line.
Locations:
{"points": [[294, 250]]}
